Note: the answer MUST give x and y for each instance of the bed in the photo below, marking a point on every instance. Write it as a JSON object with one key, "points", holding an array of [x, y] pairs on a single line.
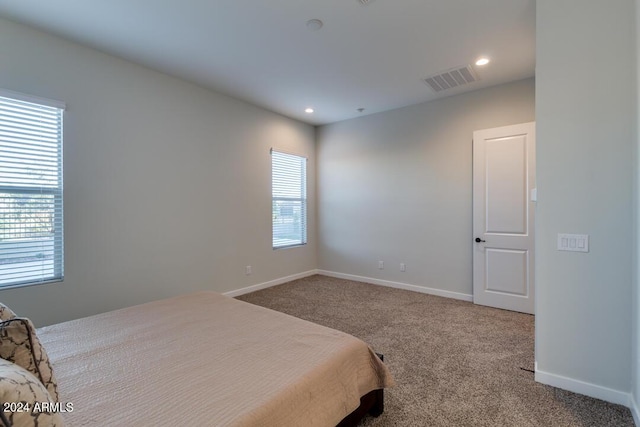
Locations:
{"points": [[209, 360]]}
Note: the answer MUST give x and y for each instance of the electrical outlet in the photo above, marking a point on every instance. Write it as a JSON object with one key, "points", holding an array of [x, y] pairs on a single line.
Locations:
{"points": [[381, 265], [403, 266], [247, 270]]}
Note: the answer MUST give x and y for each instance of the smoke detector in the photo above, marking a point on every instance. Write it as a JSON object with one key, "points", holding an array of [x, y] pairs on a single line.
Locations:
{"points": [[314, 24], [451, 78]]}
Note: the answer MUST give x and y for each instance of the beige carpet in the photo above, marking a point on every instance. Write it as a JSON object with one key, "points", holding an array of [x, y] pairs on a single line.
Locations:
{"points": [[456, 364]]}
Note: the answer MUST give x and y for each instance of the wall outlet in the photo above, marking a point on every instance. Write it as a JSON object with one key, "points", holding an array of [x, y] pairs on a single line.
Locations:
{"points": [[403, 266], [247, 270], [381, 265]]}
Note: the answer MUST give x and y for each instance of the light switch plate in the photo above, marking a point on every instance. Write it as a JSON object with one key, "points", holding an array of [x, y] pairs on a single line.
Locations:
{"points": [[573, 242]]}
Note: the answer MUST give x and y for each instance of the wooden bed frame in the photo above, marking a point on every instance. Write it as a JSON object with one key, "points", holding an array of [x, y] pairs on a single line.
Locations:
{"points": [[371, 403]]}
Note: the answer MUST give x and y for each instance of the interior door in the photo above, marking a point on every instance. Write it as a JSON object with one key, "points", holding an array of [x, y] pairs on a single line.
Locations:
{"points": [[503, 217]]}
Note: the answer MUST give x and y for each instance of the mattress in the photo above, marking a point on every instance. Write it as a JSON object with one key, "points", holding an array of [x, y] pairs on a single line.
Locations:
{"points": [[208, 360]]}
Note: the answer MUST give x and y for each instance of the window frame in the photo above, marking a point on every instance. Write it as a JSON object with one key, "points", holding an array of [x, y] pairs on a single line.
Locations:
{"points": [[56, 191], [302, 199]]}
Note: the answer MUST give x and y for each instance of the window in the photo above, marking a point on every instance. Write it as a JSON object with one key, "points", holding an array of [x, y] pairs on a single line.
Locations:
{"points": [[289, 199], [31, 241]]}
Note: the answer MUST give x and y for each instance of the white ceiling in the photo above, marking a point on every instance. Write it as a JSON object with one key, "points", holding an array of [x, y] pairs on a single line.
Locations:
{"points": [[371, 56]]}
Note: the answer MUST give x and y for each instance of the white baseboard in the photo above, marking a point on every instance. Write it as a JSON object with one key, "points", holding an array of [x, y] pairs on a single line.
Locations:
{"points": [[398, 285], [270, 283], [635, 410], [588, 389], [387, 283]]}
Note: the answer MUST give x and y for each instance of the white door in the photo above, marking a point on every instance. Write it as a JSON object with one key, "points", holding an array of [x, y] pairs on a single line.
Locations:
{"points": [[503, 217]]}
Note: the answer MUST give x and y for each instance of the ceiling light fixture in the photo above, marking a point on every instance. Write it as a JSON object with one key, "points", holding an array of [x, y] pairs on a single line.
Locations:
{"points": [[308, 110], [314, 24], [482, 61]]}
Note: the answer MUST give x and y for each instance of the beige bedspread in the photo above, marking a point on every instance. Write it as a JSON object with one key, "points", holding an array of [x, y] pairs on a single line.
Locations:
{"points": [[205, 359]]}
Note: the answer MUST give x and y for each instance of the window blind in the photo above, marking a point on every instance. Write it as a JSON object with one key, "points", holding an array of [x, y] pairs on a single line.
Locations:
{"points": [[31, 226], [289, 199]]}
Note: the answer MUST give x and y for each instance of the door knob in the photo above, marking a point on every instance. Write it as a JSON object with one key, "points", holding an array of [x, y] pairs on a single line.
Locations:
{"points": [[479, 240]]}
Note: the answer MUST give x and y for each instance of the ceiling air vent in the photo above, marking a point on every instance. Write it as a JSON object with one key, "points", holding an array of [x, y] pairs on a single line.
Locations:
{"points": [[454, 77]]}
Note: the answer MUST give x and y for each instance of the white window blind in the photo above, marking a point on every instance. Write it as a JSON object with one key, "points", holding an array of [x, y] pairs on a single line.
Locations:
{"points": [[31, 239], [289, 199]]}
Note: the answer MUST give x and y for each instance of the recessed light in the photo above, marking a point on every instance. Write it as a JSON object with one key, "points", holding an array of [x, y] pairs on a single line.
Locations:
{"points": [[482, 61], [314, 24], [308, 110]]}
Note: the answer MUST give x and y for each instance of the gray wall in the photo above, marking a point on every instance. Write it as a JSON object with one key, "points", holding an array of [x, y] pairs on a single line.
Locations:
{"points": [[167, 185], [586, 126], [397, 187]]}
